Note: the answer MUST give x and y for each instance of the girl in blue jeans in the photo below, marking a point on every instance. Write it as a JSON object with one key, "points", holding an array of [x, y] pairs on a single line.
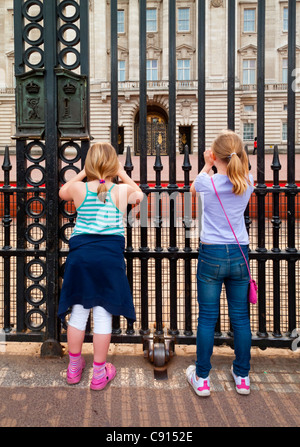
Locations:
{"points": [[220, 259]]}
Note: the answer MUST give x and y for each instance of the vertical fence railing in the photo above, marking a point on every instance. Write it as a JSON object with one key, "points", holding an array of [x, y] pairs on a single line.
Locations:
{"points": [[158, 242], [114, 71], [114, 98], [144, 249], [291, 163], [231, 66], [261, 187], [129, 248], [85, 68], [276, 222], [187, 222], [172, 167], [7, 241], [21, 177], [52, 164], [201, 67]]}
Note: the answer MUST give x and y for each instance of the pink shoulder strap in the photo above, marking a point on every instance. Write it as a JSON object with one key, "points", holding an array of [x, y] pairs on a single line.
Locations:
{"points": [[231, 227]]}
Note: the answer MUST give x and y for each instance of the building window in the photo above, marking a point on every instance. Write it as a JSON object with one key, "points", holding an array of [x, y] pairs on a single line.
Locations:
{"points": [[249, 108], [121, 21], [151, 20], [152, 73], [249, 71], [285, 19], [183, 70], [184, 19], [284, 71], [249, 20], [248, 131], [121, 71], [284, 131]]}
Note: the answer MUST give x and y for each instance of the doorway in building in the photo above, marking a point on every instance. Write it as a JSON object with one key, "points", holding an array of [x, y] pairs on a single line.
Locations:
{"points": [[184, 138], [120, 140], [157, 131]]}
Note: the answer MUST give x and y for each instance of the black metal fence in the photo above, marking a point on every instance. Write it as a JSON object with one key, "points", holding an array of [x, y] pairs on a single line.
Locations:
{"points": [[161, 236]]}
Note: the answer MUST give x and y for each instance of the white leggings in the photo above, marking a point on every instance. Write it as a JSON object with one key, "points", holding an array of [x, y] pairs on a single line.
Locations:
{"points": [[102, 319]]}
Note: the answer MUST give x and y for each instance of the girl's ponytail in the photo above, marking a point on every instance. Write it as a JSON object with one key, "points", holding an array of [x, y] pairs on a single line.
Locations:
{"points": [[102, 190], [238, 171], [228, 147], [101, 164]]}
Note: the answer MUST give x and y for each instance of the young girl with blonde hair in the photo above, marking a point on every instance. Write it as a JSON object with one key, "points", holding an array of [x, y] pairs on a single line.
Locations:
{"points": [[95, 274], [220, 259]]}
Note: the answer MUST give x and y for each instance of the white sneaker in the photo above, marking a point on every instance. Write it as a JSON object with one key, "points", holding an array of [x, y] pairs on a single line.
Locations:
{"points": [[242, 384], [200, 386]]}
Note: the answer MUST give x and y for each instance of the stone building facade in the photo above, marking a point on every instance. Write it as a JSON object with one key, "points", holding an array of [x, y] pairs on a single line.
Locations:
{"points": [[186, 66]]}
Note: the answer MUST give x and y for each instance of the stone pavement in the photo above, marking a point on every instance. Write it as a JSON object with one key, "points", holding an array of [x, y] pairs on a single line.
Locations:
{"points": [[34, 392]]}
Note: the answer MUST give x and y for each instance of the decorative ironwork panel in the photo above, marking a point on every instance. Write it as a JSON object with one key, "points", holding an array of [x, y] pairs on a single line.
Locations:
{"points": [[52, 88]]}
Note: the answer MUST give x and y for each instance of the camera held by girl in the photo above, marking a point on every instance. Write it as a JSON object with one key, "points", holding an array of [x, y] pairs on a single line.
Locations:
{"points": [[95, 272]]}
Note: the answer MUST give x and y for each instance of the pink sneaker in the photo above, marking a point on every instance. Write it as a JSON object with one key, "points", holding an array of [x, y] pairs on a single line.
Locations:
{"points": [[242, 384], [200, 386], [101, 383], [73, 378]]}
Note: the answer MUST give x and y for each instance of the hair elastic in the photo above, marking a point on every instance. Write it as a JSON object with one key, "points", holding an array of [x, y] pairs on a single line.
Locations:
{"points": [[233, 153], [101, 181]]}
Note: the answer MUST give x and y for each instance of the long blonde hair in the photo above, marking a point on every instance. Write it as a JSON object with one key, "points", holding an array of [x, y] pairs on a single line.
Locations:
{"points": [[228, 147], [101, 164]]}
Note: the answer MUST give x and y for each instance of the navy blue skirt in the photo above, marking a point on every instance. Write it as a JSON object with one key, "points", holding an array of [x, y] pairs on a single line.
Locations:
{"points": [[95, 275]]}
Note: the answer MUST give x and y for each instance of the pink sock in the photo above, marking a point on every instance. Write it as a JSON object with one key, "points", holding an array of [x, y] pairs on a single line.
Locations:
{"points": [[75, 362], [99, 370]]}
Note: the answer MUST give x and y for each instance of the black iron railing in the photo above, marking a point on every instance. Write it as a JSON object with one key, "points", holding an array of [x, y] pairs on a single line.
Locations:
{"points": [[161, 236]]}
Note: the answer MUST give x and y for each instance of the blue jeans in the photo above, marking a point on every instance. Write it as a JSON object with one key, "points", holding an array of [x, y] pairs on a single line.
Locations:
{"points": [[218, 264]]}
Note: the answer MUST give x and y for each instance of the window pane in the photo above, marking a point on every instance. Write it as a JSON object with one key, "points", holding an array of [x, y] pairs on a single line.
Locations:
{"points": [[121, 26], [284, 131], [183, 70], [183, 19], [121, 71], [249, 20], [285, 19], [248, 131], [249, 72], [252, 77], [152, 72], [284, 75], [151, 18]]}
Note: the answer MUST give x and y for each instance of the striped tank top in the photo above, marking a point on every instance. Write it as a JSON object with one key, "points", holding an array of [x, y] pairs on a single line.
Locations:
{"points": [[96, 217]]}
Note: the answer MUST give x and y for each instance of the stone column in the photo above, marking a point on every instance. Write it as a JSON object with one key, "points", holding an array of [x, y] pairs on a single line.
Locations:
{"points": [[165, 41], [217, 32], [133, 39], [100, 42]]}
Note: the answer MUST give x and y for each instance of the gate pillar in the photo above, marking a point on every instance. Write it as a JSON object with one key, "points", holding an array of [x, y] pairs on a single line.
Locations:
{"points": [[51, 106]]}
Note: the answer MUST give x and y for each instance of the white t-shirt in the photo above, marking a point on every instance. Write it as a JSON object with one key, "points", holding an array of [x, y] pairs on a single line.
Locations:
{"points": [[214, 226]]}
